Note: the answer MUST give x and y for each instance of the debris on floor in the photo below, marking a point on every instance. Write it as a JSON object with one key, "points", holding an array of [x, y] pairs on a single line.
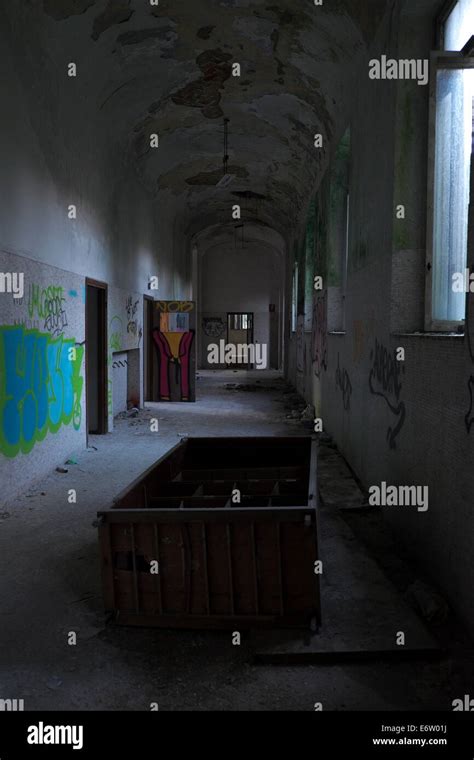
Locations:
{"points": [[308, 414], [135, 416], [303, 415], [250, 387]]}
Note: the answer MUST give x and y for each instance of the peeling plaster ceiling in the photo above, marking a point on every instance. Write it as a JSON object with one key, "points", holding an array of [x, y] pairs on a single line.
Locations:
{"points": [[167, 69]]}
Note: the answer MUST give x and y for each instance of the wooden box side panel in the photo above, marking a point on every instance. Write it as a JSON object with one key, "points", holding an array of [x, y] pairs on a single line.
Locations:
{"points": [[137, 495], [211, 570]]}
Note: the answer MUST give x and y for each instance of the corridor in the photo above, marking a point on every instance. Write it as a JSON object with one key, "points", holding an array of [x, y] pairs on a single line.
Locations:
{"points": [[57, 584], [231, 219]]}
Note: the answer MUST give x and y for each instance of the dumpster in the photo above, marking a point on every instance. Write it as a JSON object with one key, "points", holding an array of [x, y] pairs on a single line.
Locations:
{"points": [[219, 533]]}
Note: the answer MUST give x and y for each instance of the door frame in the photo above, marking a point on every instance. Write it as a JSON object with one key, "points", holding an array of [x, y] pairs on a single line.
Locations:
{"points": [[251, 331], [147, 349], [103, 351]]}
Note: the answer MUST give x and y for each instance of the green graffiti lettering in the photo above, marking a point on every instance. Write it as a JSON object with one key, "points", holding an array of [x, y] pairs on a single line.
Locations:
{"points": [[46, 302]]}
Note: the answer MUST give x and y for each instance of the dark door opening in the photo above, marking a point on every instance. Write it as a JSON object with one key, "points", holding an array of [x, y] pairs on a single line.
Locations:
{"points": [[96, 357], [148, 352], [240, 335]]}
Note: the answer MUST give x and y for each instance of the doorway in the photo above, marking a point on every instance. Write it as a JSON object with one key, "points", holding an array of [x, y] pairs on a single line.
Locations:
{"points": [[239, 334], [148, 352], [96, 357]]}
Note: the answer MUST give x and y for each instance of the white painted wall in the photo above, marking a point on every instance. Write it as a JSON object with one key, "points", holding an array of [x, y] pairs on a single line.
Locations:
{"points": [[56, 150], [236, 280]]}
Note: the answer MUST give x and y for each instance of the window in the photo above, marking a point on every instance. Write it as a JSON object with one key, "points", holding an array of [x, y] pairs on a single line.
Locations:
{"points": [[459, 25], [240, 321], [294, 299], [450, 165]]}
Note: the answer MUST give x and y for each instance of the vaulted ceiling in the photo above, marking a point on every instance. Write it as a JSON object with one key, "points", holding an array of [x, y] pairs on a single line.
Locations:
{"points": [[167, 69]]}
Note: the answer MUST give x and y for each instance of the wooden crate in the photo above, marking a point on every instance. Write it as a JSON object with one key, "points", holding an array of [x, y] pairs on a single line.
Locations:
{"points": [[221, 564]]}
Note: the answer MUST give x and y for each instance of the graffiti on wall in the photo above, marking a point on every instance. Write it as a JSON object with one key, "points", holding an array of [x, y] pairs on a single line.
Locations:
{"points": [[115, 334], [40, 387], [343, 383], [115, 345], [119, 363], [171, 306], [132, 324], [48, 304], [319, 344], [124, 326], [300, 347], [213, 327], [385, 381], [46, 309]]}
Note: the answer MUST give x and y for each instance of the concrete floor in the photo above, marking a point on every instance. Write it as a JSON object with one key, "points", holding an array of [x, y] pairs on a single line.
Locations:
{"points": [[51, 586]]}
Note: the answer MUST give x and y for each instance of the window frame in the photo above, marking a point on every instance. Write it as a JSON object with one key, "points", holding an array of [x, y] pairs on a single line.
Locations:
{"points": [[439, 60], [443, 16]]}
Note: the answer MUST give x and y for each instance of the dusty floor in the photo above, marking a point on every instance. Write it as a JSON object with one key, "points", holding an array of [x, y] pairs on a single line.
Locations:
{"points": [[51, 587]]}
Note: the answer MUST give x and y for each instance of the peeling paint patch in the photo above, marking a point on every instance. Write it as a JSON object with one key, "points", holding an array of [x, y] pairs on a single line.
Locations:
{"points": [[135, 37], [258, 31], [205, 92], [62, 9], [284, 17], [212, 178], [116, 12]]}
